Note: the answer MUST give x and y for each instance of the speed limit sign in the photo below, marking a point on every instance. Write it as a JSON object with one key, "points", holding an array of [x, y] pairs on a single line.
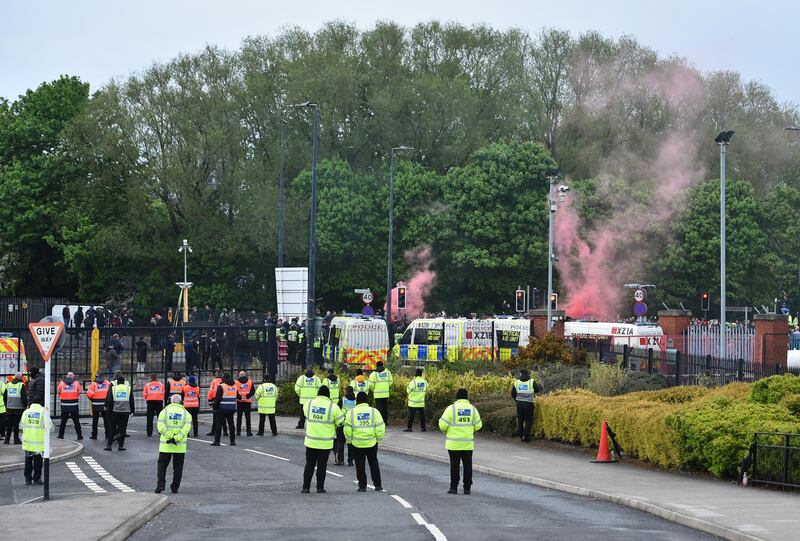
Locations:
{"points": [[639, 295], [366, 297]]}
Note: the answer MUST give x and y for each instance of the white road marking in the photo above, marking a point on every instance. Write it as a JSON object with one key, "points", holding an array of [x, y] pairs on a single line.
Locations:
{"points": [[402, 501], [32, 500], [336, 474], [269, 455], [437, 533], [101, 471], [206, 441], [77, 472], [418, 518], [368, 485]]}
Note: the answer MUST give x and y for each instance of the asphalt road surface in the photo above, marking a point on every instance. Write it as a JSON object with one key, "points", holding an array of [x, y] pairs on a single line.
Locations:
{"points": [[252, 491]]}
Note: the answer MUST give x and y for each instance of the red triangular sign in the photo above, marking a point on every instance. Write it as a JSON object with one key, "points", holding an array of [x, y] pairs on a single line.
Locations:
{"points": [[46, 336]]}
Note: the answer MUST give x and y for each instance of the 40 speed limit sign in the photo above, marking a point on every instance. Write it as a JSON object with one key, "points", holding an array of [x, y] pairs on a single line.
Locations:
{"points": [[639, 295]]}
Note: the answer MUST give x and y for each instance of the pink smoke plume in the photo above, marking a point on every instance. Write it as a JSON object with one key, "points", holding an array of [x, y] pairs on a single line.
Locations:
{"points": [[594, 263], [419, 285]]}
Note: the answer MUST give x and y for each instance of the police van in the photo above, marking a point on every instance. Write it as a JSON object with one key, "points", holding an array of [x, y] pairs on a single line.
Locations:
{"points": [[633, 335], [356, 340]]}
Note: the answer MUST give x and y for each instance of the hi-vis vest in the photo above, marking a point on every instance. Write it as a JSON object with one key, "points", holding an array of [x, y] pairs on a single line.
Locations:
{"points": [[229, 395], [191, 396], [380, 383], [2, 390], [267, 396], [14, 395], [34, 423], [416, 390], [121, 393], [322, 417], [524, 390], [360, 386], [154, 390], [176, 386], [174, 422], [459, 423], [244, 390], [364, 426], [306, 388], [333, 386], [97, 393], [348, 404]]}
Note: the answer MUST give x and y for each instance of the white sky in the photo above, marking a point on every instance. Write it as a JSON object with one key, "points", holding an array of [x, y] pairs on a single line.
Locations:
{"points": [[100, 39]]}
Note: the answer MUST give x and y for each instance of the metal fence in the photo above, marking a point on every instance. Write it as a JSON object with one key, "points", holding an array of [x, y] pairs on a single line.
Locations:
{"points": [[703, 340], [776, 459]]}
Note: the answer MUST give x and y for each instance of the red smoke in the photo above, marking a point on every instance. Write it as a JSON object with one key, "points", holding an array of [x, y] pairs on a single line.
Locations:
{"points": [[419, 285]]}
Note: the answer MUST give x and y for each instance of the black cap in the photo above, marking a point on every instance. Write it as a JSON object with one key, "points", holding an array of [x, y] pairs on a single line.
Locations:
{"points": [[324, 391], [418, 372]]}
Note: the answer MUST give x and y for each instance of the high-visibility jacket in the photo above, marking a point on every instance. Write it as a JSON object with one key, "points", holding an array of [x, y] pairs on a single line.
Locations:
{"points": [[69, 394], [121, 394], [33, 424], [229, 395], [306, 388], [97, 393], [244, 390], [176, 386], [293, 334], [322, 418], [348, 404], [359, 386], [459, 422], [334, 388], [174, 422], [212, 389], [191, 396], [281, 334], [364, 426], [525, 392], [380, 383], [267, 396], [14, 395], [416, 390], [2, 390], [154, 390]]}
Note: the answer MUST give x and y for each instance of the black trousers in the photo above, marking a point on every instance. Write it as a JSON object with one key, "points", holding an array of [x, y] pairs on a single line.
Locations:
{"points": [[272, 425], [291, 354], [382, 405], [33, 466], [315, 458], [301, 421], [194, 412], [243, 408], [524, 419], [215, 422], [2, 425], [177, 470], [154, 407], [412, 412], [224, 418], [99, 412], [12, 425], [69, 414], [117, 425], [338, 445], [456, 459], [368, 454]]}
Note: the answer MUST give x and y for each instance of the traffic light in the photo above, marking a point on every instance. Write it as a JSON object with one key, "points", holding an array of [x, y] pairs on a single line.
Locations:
{"points": [[705, 299], [554, 301], [401, 298], [520, 300], [536, 297]]}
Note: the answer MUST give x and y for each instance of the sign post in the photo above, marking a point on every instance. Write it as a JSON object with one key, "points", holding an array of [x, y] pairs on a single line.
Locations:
{"points": [[46, 335]]}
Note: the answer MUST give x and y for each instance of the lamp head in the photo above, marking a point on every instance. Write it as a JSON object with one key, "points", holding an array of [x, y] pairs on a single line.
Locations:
{"points": [[724, 137]]}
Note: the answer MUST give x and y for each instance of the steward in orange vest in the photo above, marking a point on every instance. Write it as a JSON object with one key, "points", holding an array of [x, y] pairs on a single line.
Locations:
{"points": [[191, 401], [97, 393], [246, 391], [225, 407], [154, 398], [69, 392]]}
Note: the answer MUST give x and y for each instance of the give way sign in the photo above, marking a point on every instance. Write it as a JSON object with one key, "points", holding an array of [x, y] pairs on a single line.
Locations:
{"points": [[46, 336]]}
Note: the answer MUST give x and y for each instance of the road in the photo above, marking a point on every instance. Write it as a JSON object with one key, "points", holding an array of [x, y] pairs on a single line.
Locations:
{"points": [[268, 471]]}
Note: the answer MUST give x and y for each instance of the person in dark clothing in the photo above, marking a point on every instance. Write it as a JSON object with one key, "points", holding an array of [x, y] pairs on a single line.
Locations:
{"points": [[523, 393], [77, 321], [116, 343], [225, 406], [119, 407], [153, 394], [141, 354], [203, 350], [215, 352], [97, 393], [112, 360], [169, 350], [66, 315], [36, 387], [191, 356], [69, 391], [15, 398], [292, 340], [246, 389]]}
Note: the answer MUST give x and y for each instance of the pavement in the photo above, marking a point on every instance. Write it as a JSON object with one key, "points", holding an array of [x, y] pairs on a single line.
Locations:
{"points": [[12, 457]]}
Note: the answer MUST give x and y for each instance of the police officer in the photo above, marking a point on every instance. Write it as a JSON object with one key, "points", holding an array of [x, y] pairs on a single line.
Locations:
{"points": [[175, 385], [301, 347], [225, 407], [416, 390], [34, 423], [364, 429], [332, 383], [16, 399], [191, 401], [323, 418], [380, 381], [306, 388], [69, 392], [97, 394], [292, 337], [523, 393], [174, 424], [348, 403], [244, 403], [153, 394], [2, 409], [266, 397], [458, 423], [360, 383], [119, 405]]}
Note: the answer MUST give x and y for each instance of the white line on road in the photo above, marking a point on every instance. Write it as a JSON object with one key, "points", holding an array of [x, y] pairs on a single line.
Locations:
{"points": [[78, 472], [436, 532], [32, 500], [418, 518], [368, 485], [336, 474], [101, 471], [269, 455], [402, 501], [206, 441]]}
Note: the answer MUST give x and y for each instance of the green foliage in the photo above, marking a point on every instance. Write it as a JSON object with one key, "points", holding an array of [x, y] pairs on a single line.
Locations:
{"points": [[642, 381], [606, 379], [556, 376], [792, 403], [545, 349], [771, 390]]}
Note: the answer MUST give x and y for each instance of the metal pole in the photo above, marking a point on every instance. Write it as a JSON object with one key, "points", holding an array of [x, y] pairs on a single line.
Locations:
{"points": [[47, 422], [722, 269], [281, 203], [551, 214], [312, 246], [391, 246]]}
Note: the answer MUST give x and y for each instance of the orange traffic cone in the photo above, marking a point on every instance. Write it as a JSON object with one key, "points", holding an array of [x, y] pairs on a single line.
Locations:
{"points": [[603, 455]]}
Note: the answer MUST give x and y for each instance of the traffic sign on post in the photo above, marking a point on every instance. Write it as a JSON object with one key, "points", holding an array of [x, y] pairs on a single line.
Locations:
{"points": [[367, 297], [639, 295], [640, 309], [368, 310], [46, 336]]}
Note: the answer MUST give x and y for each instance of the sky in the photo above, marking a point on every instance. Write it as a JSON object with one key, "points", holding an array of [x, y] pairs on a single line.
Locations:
{"points": [[102, 39]]}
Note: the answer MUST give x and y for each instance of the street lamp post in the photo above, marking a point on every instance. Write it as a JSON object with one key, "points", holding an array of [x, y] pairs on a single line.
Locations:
{"points": [[391, 238], [186, 284], [551, 179], [312, 240], [281, 196], [723, 140]]}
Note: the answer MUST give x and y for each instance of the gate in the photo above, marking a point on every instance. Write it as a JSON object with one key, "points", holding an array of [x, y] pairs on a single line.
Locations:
{"points": [[703, 340]]}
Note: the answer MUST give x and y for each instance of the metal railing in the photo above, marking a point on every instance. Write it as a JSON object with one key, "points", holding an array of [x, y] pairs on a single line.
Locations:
{"points": [[776, 459]]}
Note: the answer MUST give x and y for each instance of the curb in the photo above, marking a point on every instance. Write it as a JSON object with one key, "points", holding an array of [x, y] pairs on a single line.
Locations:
{"points": [[129, 527], [57, 458]]}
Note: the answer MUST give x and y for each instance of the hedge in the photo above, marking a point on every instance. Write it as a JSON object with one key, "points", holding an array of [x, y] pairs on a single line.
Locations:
{"points": [[772, 389]]}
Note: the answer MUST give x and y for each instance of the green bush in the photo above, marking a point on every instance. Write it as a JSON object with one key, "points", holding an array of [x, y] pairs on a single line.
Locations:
{"points": [[606, 379], [772, 389], [642, 381], [556, 376], [499, 415], [792, 403]]}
